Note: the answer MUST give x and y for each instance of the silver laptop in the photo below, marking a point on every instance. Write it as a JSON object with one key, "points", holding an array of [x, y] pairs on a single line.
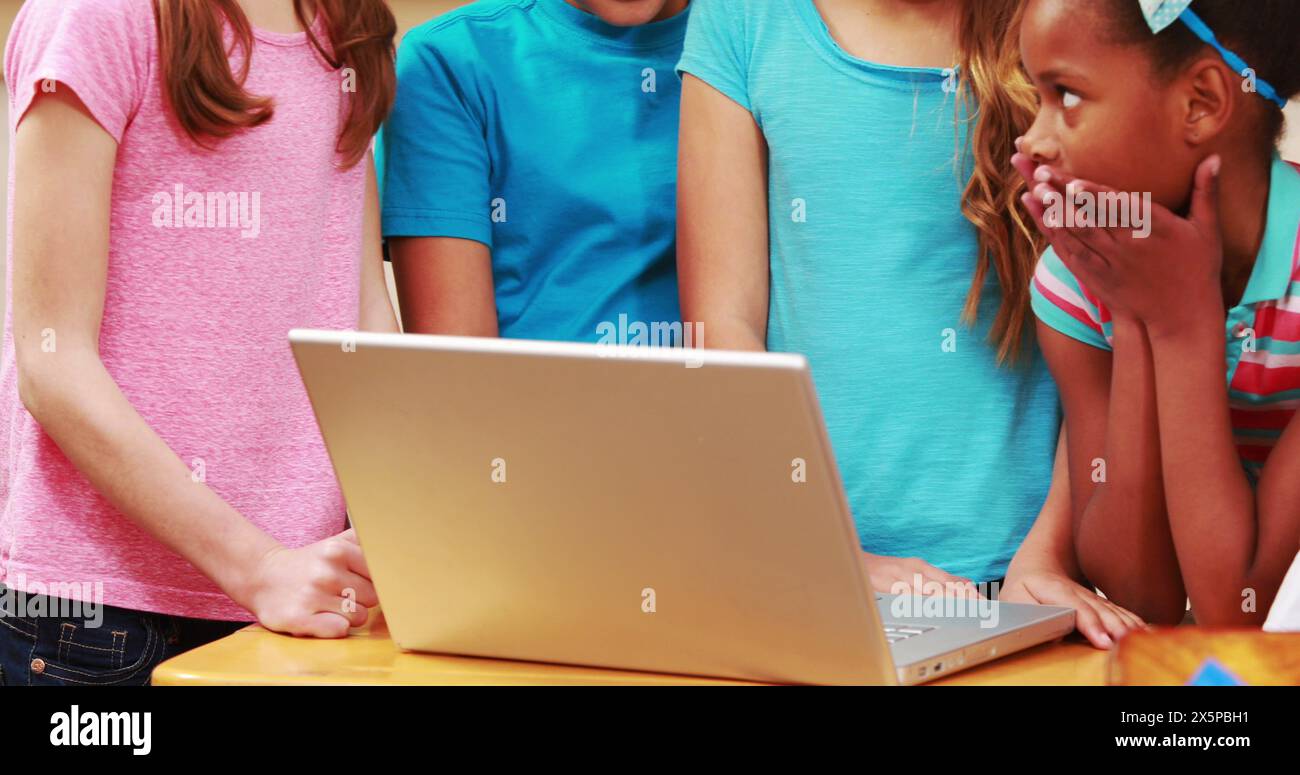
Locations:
{"points": [[658, 509]]}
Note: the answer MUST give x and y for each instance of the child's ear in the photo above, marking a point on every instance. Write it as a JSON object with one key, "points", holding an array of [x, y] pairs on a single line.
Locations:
{"points": [[1210, 99]]}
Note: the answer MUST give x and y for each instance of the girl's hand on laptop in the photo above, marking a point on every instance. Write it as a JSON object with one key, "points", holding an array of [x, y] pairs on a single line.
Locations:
{"points": [[913, 576], [319, 590], [1099, 620]]}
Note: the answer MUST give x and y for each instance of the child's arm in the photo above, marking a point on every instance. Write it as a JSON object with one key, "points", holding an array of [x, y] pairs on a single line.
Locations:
{"points": [[437, 171], [444, 285], [376, 305], [1045, 570], [722, 244], [1234, 543], [722, 255], [1121, 532], [63, 173]]}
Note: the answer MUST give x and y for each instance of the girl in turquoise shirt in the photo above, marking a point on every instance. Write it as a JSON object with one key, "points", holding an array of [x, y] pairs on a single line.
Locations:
{"points": [[845, 192]]}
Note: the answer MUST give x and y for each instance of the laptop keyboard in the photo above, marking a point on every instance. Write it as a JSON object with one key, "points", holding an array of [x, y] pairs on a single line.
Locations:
{"points": [[896, 633]]}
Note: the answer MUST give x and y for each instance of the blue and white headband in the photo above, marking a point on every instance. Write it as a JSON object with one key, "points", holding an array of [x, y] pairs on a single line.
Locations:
{"points": [[1162, 13]]}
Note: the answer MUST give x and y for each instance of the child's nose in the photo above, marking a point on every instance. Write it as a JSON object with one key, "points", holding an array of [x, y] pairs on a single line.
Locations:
{"points": [[1039, 145]]}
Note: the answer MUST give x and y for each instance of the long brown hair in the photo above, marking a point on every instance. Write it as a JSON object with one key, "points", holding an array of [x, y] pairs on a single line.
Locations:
{"points": [[209, 100], [1001, 102]]}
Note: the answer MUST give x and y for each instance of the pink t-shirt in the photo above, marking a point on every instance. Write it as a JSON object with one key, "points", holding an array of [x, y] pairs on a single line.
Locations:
{"points": [[198, 307]]}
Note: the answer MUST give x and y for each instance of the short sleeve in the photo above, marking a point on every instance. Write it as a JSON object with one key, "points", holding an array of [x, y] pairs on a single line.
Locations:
{"points": [[1062, 303], [716, 49], [433, 156], [100, 49]]}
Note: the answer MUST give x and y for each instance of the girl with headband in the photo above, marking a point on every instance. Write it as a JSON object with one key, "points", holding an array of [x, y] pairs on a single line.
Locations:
{"points": [[1174, 337]]}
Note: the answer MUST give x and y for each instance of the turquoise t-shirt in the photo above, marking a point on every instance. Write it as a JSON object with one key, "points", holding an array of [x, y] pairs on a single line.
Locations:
{"points": [[551, 137], [944, 454]]}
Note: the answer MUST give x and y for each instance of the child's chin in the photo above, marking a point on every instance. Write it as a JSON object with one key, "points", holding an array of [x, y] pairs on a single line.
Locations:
{"points": [[625, 19], [625, 14]]}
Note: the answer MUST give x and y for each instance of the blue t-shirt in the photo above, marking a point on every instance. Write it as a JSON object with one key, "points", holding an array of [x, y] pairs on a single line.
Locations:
{"points": [[944, 454], [551, 137]]}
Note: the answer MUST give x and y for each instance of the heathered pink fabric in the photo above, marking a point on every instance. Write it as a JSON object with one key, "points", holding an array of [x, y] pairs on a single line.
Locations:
{"points": [[195, 319]]}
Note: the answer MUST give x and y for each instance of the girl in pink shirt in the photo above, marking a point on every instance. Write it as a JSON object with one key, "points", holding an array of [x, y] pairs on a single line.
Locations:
{"points": [[189, 179]]}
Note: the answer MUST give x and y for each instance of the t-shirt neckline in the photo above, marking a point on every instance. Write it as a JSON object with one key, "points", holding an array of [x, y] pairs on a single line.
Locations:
{"points": [[1275, 263], [290, 38], [820, 36], [645, 36]]}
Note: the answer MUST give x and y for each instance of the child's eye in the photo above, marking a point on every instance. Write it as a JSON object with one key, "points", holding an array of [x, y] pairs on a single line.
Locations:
{"points": [[1070, 100]]}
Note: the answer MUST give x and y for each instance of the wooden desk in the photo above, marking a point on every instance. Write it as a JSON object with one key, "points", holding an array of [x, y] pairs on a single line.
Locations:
{"points": [[367, 656], [1174, 657]]}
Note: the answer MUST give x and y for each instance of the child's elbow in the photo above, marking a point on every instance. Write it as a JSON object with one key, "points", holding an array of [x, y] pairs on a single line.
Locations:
{"points": [[1159, 610], [39, 380], [32, 387], [1153, 592], [1155, 606], [1154, 599], [1228, 612]]}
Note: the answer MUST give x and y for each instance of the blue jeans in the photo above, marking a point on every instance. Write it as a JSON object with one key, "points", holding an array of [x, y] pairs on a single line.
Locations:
{"points": [[42, 645]]}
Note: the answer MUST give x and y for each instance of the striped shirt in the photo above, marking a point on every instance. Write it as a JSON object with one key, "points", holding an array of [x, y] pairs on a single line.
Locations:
{"points": [[1262, 333]]}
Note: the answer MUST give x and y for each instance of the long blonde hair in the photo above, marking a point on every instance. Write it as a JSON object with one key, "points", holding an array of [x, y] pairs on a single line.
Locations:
{"points": [[1001, 103]]}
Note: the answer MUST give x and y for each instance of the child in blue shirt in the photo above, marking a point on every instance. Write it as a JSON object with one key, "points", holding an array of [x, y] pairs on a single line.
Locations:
{"points": [[529, 169]]}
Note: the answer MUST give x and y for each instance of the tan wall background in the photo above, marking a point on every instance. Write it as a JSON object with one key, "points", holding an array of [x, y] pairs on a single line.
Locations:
{"points": [[410, 13]]}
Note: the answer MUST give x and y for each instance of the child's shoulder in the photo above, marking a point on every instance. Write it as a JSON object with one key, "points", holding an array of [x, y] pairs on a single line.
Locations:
{"points": [[68, 29], [92, 10], [1063, 303], [750, 12], [472, 22]]}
